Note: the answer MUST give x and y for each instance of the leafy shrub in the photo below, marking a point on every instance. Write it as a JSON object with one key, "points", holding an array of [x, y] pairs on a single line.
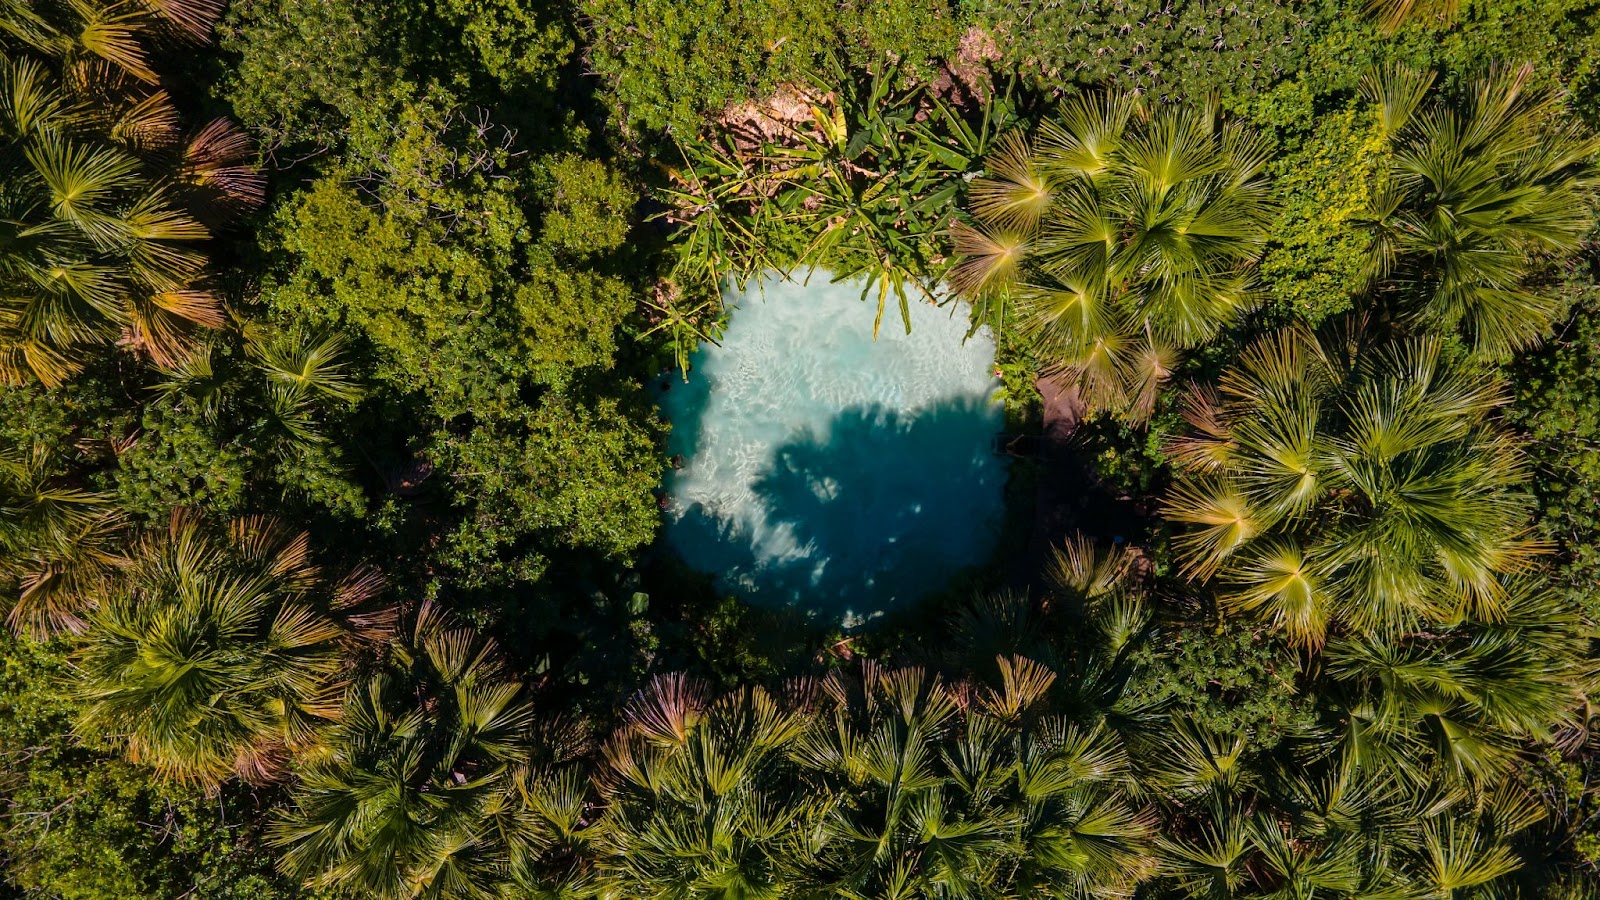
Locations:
{"points": [[179, 460], [671, 62], [1182, 49], [520, 43], [575, 474], [305, 67], [427, 245], [1556, 408], [1316, 260], [1232, 680]]}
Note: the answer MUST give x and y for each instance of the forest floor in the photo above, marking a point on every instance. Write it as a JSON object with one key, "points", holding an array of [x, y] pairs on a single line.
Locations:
{"points": [[1069, 496]]}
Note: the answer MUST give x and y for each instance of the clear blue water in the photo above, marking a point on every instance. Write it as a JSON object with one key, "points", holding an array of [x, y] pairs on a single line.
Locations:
{"points": [[825, 470]]}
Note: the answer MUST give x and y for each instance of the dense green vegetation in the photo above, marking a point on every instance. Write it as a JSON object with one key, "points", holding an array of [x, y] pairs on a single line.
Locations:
{"points": [[328, 462]]}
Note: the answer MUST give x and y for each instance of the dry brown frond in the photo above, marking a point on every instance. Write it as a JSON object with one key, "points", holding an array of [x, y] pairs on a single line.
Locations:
{"points": [[989, 263], [1209, 443], [195, 18], [217, 161], [667, 709]]}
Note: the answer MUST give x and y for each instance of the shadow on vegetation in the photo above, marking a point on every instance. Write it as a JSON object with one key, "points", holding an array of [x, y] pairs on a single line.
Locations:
{"points": [[878, 510]]}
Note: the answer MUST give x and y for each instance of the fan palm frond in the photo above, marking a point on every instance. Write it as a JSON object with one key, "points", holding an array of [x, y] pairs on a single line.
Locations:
{"points": [[1127, 239], [423, 788], [1371, 492], [206, 660], [1485, 188], [58, 543], [105, 244], [1016, 194]]}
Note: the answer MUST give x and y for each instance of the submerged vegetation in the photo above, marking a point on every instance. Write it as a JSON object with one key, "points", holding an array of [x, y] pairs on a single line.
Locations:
{"points": [[329, 460]]}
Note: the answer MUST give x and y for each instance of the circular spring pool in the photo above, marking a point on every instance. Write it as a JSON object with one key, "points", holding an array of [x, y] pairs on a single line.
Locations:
{"points": [[824, 470]]}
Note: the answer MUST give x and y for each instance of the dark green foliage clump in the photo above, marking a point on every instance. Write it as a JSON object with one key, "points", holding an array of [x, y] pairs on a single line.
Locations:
{"points": [[671, 64], [1556, 390], [1232, 680], [1183, 50]]}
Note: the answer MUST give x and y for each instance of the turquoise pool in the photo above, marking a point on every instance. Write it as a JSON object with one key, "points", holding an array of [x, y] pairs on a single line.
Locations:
{"points": [[827, 471]]}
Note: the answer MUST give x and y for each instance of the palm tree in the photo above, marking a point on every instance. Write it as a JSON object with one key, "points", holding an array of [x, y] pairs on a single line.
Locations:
{"points": [[1066, 789], [1093, 609], [1461, 703], [1120, 236], [961, 791], [699, 799], [58, 543], [92, 33], [1483, 190], [278, 396], [1317, 824], [1332, 486], [899, 828], [215, 655], [100, 223], [301, 371], [435, 782]]}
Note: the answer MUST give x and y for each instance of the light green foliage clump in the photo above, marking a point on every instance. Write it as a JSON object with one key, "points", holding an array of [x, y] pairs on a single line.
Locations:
{"points": [[481, 281], [1342, 41], [1559, 38], [671, 63], [472, 256], [1316, 259], [589, 206], [427, 246], [386, 276]]}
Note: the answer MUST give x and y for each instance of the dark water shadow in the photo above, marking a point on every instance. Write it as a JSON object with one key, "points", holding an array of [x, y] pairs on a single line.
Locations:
{"points": [[880, 509], [682, 405]]}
